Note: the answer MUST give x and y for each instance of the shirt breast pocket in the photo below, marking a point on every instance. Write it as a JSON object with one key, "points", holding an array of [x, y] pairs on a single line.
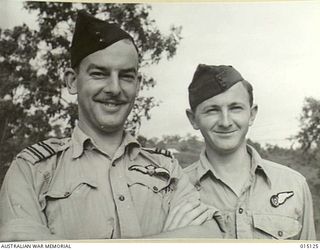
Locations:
{"points": [[75, 212], [275, 226], [153, 183], [150, 197]]}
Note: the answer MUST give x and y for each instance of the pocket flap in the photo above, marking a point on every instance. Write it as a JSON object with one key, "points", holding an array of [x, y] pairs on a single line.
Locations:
{"points": [[154, 183], [59, 191], [278, 226]]}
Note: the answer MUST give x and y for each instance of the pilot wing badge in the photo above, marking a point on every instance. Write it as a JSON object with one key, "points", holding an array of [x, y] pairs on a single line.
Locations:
{"points": [[151, 170], [280, 198]]}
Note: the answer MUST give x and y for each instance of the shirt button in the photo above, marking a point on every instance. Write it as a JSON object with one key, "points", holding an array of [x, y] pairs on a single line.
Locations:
{"points": [[66, 194], [198, 186], [280, 233], [121, 198], [113, 164], [52, 230], [155, 188], [240, 210]]}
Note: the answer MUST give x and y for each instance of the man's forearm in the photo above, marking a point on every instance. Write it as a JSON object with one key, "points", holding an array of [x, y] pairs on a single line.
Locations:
{"points": [[209, 229], [22, 230]]}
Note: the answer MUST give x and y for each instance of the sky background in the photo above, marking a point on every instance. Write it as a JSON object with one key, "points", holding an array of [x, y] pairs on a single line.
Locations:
{"points": [[274, 45]]}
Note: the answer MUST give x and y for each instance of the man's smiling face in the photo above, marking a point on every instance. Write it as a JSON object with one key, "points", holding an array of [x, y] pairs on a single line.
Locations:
{"points": [[107, 84], [224, 119]]}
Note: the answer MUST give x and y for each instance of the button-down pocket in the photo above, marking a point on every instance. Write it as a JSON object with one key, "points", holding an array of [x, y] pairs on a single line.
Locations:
{"points": [[75, 211], [149, 195], [275, 226], [153, 183]]}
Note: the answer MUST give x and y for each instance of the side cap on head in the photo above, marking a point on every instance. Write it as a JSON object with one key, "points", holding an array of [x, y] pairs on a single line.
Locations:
{"points": [[209, 81], [92, 34]]}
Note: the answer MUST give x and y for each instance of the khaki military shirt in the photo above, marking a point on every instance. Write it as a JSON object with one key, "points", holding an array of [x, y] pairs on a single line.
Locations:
{"points": [[70, 189], [275, 203]]}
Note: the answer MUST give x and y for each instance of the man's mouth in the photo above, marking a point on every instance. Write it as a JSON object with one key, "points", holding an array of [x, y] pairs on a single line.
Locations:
{"points": [[111, 103], [225, 132]]}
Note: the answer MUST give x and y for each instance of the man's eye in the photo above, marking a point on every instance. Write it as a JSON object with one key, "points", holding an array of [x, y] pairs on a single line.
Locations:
{"points": [[212, 110], [97, 74], [236, 108], [128, 76]]}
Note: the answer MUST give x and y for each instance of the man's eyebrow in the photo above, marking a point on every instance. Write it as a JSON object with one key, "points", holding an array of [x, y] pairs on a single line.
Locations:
{"points": [[211, 106], [95, 66], [236, 103], [129, 70], [102, 68]]}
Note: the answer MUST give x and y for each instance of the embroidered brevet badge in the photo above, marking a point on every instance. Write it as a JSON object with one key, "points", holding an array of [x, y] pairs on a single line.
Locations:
{"points": [[151, 171], [280, 198]]}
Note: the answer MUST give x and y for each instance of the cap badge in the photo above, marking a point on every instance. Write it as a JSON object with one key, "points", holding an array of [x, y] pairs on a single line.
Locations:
{"points": [[280, 198]]}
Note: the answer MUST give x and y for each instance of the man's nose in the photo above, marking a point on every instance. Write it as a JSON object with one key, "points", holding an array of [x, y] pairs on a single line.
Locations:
{"points": [[113, 85], [225, 119]]}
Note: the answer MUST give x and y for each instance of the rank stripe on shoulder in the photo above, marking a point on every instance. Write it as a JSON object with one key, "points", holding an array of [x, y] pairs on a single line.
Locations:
{"points": [[163, 151], [29, 152], [159, 151], [46, 147], [43, 150], [36, 152]]}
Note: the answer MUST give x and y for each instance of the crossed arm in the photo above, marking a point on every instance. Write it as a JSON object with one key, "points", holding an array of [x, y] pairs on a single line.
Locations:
{"points": [[21, 216], [191, 219]]}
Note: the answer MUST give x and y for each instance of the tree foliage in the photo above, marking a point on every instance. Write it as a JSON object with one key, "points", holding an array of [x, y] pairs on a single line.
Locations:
{"points": [[186, 149], [309, 134], [32, 100]]}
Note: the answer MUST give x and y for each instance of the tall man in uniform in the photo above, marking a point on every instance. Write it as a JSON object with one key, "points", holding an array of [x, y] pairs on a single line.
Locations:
{"points": [[257, 199], [99, 183]]}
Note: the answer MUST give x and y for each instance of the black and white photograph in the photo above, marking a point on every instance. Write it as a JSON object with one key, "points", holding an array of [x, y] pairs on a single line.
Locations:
{"points": [[160, 120]]}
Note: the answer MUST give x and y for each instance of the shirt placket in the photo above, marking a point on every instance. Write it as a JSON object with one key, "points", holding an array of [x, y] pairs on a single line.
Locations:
{"points": [[128, 220], [242, 214]]}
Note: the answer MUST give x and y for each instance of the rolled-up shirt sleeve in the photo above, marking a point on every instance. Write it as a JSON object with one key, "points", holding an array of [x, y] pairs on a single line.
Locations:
{"points": [[21, 217]]}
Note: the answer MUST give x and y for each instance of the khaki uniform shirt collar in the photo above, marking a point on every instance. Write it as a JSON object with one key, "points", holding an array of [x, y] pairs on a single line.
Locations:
{"points": [[79, 138], [257, 165], [128, 143], [205, 166]]}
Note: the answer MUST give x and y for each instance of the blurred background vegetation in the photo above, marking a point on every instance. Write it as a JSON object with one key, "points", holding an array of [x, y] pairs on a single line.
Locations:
{"points": [[33, 106]]}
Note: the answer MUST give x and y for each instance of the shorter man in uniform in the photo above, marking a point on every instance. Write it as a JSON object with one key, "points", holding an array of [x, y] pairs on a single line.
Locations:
{"points": [[257, 198], [100, 183]]}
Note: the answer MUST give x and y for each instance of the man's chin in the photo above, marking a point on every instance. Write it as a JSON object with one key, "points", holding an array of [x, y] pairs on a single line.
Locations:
{"points": [[111, 128], [226, 149]]}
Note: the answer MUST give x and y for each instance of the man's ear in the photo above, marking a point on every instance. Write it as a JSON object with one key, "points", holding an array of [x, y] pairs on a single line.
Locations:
{"points": [[253, 113], [71, 81], [191, 116], [139, 82]]}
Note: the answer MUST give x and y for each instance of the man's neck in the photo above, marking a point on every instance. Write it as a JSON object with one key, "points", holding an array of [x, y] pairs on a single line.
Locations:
{"points": [[105, 141], [233, 167]]}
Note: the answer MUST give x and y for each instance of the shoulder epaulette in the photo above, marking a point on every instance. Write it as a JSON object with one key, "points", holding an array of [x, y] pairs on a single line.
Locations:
{"points": [[43, 150], [164, 152]]}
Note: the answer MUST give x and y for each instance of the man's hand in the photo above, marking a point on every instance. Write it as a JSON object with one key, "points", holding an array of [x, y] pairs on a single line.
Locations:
{"points": [[187, 213]]}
